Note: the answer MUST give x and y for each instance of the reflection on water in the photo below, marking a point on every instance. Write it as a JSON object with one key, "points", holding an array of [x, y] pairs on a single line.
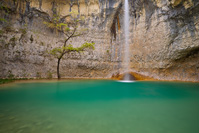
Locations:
{"points": [[99, 107]]}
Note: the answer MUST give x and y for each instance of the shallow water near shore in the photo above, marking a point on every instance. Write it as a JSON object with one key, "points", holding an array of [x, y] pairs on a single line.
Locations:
{"points": [[97, 106]]}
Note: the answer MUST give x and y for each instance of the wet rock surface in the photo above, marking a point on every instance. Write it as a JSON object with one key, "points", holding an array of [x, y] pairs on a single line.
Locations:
{"points": [[128, 76]]}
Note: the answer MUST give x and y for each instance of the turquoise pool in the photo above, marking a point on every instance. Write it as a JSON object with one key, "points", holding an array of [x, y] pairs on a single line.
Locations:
{"points": [[96, 106]]}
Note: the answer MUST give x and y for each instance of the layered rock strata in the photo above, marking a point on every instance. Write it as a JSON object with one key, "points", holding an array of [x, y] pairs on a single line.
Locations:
{"points": [[164, 38]]}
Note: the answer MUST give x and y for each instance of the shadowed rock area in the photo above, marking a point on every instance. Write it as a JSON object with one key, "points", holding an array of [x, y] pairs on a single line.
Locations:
{"points": [[130, 77]]}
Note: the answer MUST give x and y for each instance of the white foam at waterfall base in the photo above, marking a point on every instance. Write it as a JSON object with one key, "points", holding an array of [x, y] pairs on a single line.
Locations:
{"points": [[126, 81]]}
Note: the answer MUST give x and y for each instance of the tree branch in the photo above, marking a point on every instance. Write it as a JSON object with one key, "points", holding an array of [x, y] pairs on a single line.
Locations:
{"points": [[77, 35], [66, 34], [70, 36]]}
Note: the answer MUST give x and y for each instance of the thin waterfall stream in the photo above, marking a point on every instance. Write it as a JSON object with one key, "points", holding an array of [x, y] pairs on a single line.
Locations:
{"points": [[126, 63]]}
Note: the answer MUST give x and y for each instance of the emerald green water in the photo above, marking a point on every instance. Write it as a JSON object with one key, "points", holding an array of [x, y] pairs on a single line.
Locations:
{"points": [[99, 107]]}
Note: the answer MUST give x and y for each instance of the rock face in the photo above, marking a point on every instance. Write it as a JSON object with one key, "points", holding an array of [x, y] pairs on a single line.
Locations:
{"points": [[165, 41], [164, 38]]}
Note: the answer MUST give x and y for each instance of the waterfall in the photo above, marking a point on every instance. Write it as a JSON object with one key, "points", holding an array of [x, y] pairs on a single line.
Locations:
{"points": [[126, 66]]}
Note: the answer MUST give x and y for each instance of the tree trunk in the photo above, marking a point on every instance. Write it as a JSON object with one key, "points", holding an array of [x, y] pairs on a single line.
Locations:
{"points": [[58, 63]]}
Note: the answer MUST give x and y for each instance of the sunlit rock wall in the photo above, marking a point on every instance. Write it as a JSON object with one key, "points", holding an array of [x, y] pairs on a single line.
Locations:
{"points": [[164, 40]]}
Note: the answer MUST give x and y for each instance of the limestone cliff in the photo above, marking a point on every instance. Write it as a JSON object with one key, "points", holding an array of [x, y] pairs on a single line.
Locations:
{"points": [[165, 41], [164, 38]]}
